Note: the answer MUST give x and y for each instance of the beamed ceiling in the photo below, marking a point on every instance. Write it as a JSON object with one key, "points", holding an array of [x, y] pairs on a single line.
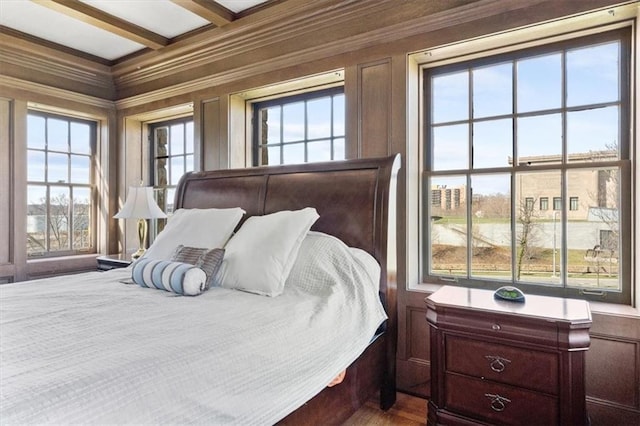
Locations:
{"points": [[109, 31]]}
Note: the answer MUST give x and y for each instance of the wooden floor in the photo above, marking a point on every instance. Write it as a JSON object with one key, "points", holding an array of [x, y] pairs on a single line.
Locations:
{"points": [[407, 411]]}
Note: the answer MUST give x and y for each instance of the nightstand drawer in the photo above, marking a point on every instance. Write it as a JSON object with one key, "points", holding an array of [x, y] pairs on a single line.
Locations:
{"points": [[521, 367], [501, 327], [498, 404]]}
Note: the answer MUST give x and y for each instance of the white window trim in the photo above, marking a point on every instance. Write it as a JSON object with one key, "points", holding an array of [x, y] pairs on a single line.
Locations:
{"points": [[542, 33]]}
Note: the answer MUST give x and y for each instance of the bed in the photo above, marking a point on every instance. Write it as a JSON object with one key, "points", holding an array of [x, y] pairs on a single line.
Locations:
{"points": [[95, 348]]}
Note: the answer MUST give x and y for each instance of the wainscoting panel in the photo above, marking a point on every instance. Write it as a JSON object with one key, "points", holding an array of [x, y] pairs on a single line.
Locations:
{"points": [[374, 115], [414, 372], [613, 370]]}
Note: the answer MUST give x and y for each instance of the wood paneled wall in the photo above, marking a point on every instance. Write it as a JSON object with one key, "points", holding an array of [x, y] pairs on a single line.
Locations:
{"points": [[370, 41]]}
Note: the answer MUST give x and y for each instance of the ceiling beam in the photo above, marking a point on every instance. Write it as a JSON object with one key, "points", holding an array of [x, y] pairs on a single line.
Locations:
{"points": [[209, 10], [105, 21]]}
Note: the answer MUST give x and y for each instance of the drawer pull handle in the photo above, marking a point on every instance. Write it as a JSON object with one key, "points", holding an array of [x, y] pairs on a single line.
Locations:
{"points": [[496, 327], [498, 403], [497, 363]]}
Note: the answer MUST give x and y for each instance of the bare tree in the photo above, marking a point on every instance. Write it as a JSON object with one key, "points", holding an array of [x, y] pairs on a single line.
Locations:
{"points": [[527, 234], [56, 219]]}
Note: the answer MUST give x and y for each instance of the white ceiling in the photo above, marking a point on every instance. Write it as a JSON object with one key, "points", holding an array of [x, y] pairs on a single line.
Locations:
{"points": [[162, 17]]}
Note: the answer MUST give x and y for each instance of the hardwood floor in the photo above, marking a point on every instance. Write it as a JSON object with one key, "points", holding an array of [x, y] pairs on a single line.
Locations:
{"points": [[407, 411]]}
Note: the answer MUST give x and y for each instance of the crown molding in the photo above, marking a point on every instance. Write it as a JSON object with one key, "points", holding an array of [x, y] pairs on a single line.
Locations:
{"points": [[12, 83]]}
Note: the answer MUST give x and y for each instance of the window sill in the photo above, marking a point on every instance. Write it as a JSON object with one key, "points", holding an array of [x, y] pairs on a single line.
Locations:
{"points": [[52, 266], [596, 307]]}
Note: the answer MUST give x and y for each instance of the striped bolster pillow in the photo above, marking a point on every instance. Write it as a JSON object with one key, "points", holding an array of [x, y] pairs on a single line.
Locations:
{"points": [[177, 277]]}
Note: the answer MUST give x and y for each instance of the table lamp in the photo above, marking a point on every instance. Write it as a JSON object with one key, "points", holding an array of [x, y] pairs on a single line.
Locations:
{"points": [[140, 205]]}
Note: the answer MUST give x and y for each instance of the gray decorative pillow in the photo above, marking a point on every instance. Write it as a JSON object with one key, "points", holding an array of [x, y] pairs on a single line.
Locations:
{"points": [[209, 260]]}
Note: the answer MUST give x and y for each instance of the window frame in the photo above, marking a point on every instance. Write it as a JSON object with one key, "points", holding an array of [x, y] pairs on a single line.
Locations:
{"points": [[91, 186], [544, 203], [289, 99], [623, 34], [162, 192]]}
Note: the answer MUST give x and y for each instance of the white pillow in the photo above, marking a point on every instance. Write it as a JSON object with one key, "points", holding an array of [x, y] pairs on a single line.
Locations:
{"points": [[259, 257], [201, 228]]}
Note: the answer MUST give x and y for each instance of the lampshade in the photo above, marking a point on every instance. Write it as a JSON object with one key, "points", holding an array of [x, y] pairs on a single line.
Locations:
{"points": [[140, 205]]}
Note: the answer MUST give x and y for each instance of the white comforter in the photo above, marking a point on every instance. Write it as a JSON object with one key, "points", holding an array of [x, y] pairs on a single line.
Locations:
{"points": [[90, 349]]}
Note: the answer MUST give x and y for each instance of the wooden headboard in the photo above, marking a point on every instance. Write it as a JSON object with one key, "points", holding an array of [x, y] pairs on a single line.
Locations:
{"points": [[353, 198]]}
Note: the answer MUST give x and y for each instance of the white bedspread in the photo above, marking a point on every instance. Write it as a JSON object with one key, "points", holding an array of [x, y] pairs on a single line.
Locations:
{"points": [[89, 349]]}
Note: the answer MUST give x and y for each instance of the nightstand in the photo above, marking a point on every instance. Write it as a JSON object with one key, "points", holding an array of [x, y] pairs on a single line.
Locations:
{"points": [[113, 261], [507, 363]]}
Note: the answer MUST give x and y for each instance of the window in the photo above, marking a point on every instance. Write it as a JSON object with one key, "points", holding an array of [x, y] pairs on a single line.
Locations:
{"points": [[544, 203], [172, 156], [503, 130], [299, 129], [528, 203], [573, 203], [60, 185]]}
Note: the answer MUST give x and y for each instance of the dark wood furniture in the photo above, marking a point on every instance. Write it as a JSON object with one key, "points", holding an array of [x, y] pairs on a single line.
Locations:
{"points": [[112, 261], [506, 363], [356, 203]]}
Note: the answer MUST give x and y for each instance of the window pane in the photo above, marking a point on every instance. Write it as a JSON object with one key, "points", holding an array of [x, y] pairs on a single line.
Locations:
{"points": [[492, 143], [293, 122], [539, 83], [593, 230], [171, 195], [80, 138], [540, 139], [450, 97], [176, 139], [293, 154], [58, 168], [177, 169], [448, 226], [338, 115], [80, 169], [593, 134], [592, 74], [492, 90], [161, 142], [272, 118], [36, 137], [81, 218], [319, 118], [189, 137], [57, 135], [451, 147], [538, 233], [338, 149], [59, 218], [35, 166], [189, 164], [36, 219], [319, 151], [271, 155], [491, 227]]}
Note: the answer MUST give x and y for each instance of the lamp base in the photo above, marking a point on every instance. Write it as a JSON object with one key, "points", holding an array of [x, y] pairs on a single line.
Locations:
{"points": [[138, 254], [142, 237]]}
